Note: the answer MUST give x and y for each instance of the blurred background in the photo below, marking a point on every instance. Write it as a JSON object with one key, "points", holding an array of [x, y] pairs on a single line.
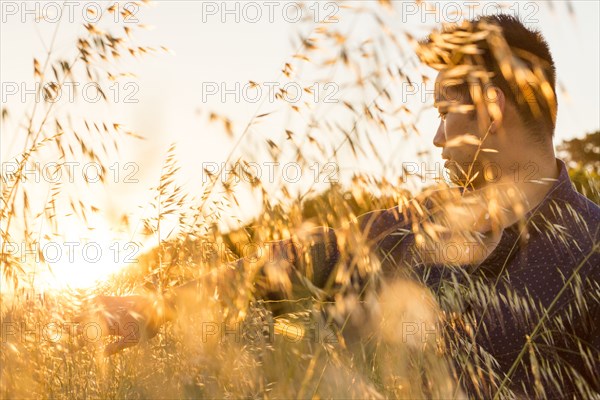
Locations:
{"points": [[219, 65]]}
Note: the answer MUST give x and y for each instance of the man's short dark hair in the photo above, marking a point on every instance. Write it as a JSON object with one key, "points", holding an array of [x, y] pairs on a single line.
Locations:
{"points": [[517, 57]]}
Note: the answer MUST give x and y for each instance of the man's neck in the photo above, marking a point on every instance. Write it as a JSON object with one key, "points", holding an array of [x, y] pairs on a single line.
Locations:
{"points": [[531, 177]]}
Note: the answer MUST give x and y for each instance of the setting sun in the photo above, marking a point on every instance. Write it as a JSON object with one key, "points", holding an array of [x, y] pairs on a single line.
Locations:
{"points": [[86, 257]]}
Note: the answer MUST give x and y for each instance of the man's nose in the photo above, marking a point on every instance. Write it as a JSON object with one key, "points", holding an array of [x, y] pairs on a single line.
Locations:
{"points": [[440, 136]]}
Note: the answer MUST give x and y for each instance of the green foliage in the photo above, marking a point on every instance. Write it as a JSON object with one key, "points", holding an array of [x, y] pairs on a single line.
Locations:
{"points": [[583, 159], [586, 183]]}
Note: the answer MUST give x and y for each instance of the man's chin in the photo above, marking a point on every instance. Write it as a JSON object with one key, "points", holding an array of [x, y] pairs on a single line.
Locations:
{"points": [[454, 174], [450, 168], [454, 179]]}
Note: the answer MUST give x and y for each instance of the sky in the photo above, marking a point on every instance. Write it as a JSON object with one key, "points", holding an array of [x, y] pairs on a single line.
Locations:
{"points": [[213, 46]]}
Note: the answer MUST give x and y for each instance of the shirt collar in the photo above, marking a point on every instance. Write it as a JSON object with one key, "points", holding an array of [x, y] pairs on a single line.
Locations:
{"points": [[511, 240]]}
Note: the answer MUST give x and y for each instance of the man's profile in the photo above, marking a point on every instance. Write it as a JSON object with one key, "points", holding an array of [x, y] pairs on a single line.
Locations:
{"points": [[524, 238]]}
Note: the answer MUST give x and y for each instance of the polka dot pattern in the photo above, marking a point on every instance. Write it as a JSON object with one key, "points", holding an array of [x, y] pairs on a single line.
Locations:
{"points": [[526, 272]]}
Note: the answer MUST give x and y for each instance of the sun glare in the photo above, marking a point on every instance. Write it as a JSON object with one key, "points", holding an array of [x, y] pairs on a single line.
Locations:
{"points": [[85, 256]]}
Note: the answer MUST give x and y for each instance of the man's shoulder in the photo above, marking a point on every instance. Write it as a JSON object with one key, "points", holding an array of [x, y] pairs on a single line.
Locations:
{"points": [[377, 224], [580, 214], [588, 207], [571, 232], [566, 193]]}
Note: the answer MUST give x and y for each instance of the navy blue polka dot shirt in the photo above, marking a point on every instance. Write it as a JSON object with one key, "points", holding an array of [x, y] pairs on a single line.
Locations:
{"points": [[532, 305]]}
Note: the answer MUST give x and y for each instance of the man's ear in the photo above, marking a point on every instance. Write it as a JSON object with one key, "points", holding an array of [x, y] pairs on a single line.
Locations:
{"points": [[496, 104]]}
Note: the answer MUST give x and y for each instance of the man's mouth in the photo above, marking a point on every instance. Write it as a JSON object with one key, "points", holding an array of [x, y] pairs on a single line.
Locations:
{"points": [[447, 161]]}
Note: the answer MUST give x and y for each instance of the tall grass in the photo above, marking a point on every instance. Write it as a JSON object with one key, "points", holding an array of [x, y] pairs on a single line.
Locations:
{"points": [[341, 340]]}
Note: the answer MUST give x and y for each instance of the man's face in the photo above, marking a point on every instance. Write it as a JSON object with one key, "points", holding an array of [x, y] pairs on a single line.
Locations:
{"points": [[463, 160]]}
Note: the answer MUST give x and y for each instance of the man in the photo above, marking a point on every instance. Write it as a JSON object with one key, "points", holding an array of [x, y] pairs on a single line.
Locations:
{"points": [[523, 277]]}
